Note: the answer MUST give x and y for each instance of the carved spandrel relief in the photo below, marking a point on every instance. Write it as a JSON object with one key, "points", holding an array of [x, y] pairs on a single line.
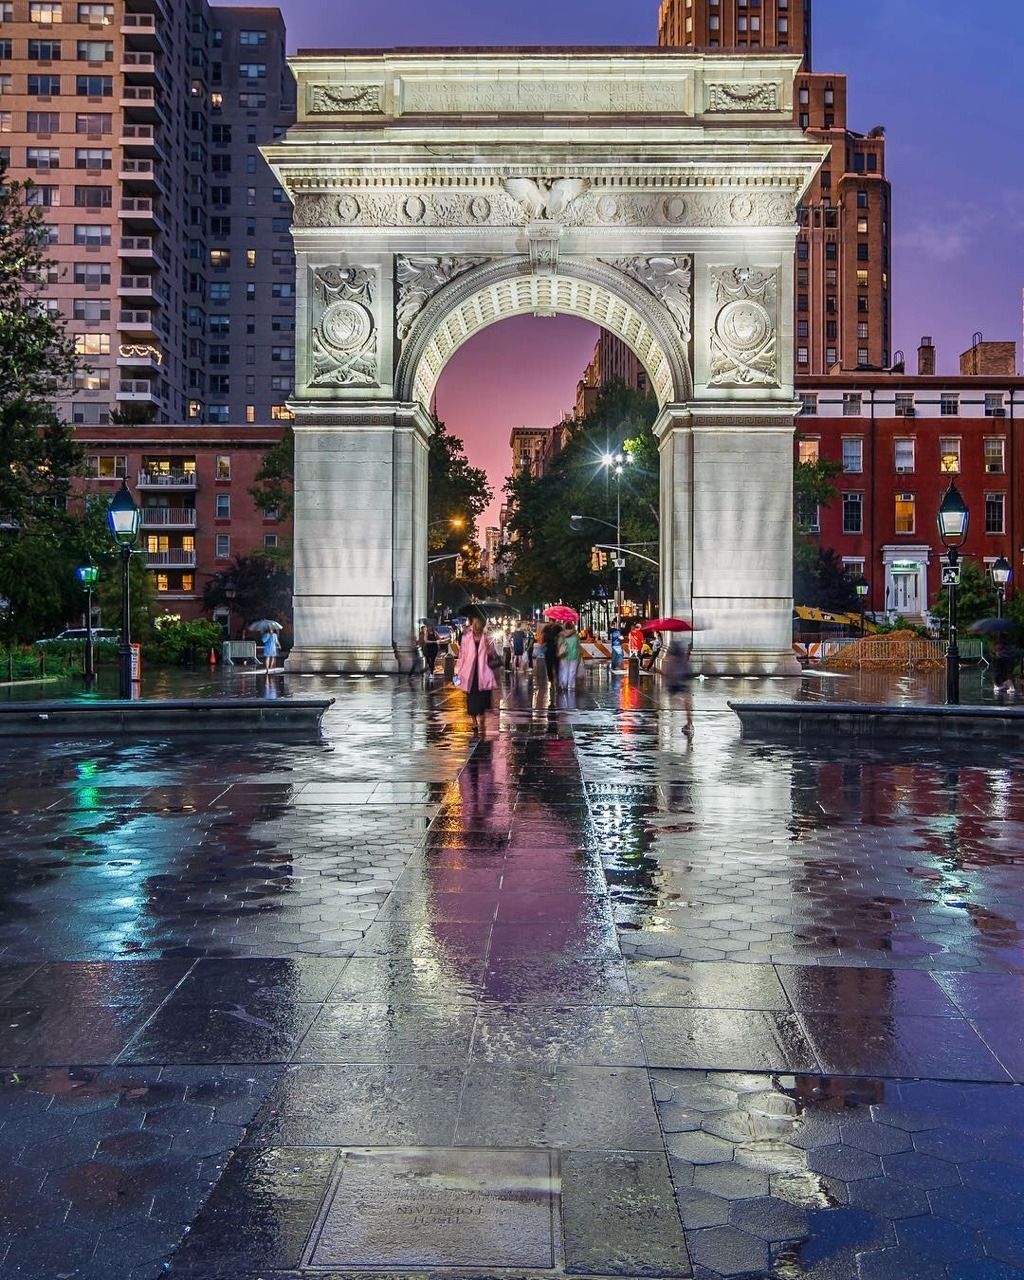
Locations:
{"points": [[343, 99], [744, 337], [343, 334], [764, 95], [495, 207], [418, 279], [670, 280]]}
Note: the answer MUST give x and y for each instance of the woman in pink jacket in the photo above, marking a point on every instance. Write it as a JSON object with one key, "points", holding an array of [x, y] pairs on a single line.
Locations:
{"points": [[473, 667]]}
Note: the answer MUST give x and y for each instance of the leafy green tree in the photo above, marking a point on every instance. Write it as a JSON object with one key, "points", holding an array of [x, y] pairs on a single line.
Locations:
{"points": [[975, 598], [548, 558], [251, 587], [38, 452], [821, 581], [273, 488], [457, 496]]}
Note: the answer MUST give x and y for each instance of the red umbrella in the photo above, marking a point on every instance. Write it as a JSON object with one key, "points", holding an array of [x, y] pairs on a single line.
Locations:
{"points": [[666, 624], [561, 613]]}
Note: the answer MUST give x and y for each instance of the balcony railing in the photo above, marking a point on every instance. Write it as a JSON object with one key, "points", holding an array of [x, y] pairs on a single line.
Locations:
{"points": [[136, 207], [138, 24], [136, 389], [137, 321], [138, 135], [137, 168], [138, 95], [168, 517], [132, 60], [177, 558], [167, 480], [135, 284]]}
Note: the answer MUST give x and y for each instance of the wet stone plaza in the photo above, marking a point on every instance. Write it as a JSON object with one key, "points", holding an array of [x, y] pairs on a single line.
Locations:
{"points": [[586, 998]]}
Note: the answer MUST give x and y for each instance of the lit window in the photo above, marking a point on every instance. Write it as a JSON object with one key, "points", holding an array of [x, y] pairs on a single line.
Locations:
{"points": [[862, 279], [45, 13], [92, 344], [216, 101], [905, 513], [188, 582], [808, 450], [281, 413], [220, 257], [223, 468], [250, 413], [114, 467], [949, 456], [162, 582], [250, 257]]}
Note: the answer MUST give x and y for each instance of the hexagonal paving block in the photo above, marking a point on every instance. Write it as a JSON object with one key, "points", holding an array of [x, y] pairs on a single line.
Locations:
{"points": [[898, 1264], [770, 1219], [888, 1198], [699, 1148], [879, 1139], [728, 1252], [133, 1148], [700, 1209], [921, 1171], [946, 1144], [1005, 1244], [905, 1118], [937, 1238], [992, 1175], [847, 1163], [973, 1208], [731, 1181]]}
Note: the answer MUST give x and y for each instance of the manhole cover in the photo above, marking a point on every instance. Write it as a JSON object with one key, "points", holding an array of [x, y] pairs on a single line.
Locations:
{"points": [[438, 1208]]}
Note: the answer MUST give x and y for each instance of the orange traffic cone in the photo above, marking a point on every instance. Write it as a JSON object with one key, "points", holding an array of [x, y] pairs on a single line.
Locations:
{"points": [[213, 657]]}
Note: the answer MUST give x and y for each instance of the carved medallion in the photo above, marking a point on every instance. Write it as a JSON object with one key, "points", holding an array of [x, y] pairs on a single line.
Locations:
{"points": [[742, 208], [414, 208], [479, 208], [607, 208], [743, 338], [343, 337], [674, 209], [348, 208]]}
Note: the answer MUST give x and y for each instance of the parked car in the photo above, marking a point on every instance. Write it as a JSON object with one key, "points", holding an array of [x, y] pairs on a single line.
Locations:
{"points": [[100, 635]]}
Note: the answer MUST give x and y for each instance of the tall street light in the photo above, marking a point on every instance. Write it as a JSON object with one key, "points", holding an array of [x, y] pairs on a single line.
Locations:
{"points": [[953, 519], [87, 575], [123, 519], [861, 587], [1002, 572], [616, 464]]}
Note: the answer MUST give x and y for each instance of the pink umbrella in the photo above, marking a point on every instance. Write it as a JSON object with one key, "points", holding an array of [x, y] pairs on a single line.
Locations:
{"points": [[561, 613], [666, 624]]}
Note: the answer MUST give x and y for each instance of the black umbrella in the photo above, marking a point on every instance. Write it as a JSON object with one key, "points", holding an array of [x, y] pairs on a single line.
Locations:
{"points": [[994, 627]]}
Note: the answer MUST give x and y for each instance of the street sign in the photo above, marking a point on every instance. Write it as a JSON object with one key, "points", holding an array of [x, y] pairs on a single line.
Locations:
{"points": [[951, 575]]}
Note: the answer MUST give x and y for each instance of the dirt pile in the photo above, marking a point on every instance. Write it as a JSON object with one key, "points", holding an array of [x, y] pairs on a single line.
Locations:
{"points": [[895, 651]]}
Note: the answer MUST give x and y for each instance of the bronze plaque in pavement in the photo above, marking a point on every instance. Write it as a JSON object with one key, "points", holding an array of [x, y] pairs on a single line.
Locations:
{"points": [[438, 1207]]}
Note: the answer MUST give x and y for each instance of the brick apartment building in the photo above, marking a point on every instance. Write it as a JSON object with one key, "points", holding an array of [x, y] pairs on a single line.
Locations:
{"points": [[139, 121], [901, 438], [612, 362], [843, 270], [192, 483]]}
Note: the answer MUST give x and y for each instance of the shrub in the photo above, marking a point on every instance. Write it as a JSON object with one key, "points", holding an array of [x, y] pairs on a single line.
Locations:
{"points": [[176, 642]]}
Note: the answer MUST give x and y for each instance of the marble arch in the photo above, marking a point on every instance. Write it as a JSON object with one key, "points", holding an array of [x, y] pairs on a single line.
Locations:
{"points": [[436, 192]]}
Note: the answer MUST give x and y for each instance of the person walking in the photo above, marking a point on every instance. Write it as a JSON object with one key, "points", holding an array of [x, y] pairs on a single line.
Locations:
{"points": [[1004, 668], [550, 637], [429, 646], [678, 674], [518, 647], [271, 648], [475, 669], [568, 658]]}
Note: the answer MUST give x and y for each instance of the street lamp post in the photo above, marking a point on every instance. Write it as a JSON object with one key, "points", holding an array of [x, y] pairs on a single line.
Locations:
{"points": [[861, 587], [616, 463], [87, 575], [1002, 572], [123, 518], [953, 519]]}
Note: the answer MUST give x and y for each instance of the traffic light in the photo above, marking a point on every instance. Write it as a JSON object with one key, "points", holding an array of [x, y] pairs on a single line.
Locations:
{"points": [[458, 566], [598, 559]]}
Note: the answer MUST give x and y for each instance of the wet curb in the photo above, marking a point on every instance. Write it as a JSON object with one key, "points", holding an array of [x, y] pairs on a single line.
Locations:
{"points": [[877, 722], [164, 716]]}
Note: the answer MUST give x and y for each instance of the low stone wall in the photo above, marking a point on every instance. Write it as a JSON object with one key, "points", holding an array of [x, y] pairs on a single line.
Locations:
{"points": [[836, 722], [150, 717]]}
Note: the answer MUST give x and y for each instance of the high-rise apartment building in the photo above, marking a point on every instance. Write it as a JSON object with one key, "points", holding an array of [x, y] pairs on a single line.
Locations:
{"points": [[842, 288], [139, 123]]}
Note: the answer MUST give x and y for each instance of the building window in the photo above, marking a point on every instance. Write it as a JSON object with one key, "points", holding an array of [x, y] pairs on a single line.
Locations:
{"points": [[808, 451], [220, 257], [92, 344], [281, 413], [250, 257], [853, 454], [802, 355], [92, 157], [96, 15], [903, 455], [90, 309], [220, 291], [252, 37], [95, 51], [92, 273], [279, 354], [995, 456], [219, 413], [949, 405], [252, 70], [250, 413], [905, 513], [222, 470], [43, 86], [42, 157], [994, 405], [863, 357], [949, 456], [809, 402], [808, 516], [852, 404], [904, 404], [862, 279], [92, 233], [831, 356], [995, 512], [862, 253], [223, 506], [853, 513], [94, 86], [270, 541], [114, 467], [223, 550], [862, 329], [282, 290], [44, 12]]}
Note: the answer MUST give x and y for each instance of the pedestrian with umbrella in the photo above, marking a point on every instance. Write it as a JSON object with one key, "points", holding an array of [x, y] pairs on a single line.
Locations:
{"points": [[676, 669], [1005, 656], [475, 669], [267, 630], [551, 637]]}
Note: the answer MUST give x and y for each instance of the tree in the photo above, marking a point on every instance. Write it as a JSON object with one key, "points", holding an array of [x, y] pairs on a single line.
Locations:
{"points": [[549, 559], [274, 485], [251, 587], [38, 452], [976, 597], [456, 492], [819, 580]]}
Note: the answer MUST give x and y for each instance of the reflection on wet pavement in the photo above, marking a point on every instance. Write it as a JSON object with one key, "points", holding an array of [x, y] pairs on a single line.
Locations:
{"points": [[753, 1011]]}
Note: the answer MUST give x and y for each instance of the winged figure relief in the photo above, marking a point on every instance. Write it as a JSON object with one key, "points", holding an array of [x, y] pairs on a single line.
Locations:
{"points": [[544, 198]]}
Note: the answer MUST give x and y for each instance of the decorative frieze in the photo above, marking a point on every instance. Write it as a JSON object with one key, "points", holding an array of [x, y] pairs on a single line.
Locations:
{"points": [[744, 337], [418, 278], [670, 280], [494, 206], [343, 334], [590, 93], [345, 99], [763, 95]]}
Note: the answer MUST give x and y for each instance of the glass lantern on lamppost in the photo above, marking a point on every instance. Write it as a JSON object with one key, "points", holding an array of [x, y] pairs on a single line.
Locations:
{"points": [[861, 587], [87, 575], [953, 519], [1002, 572], [615, 464], [123, 520]]}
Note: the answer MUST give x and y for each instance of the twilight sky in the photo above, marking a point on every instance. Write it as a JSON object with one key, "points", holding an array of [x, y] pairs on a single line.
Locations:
{"points": [[943, 76]]}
